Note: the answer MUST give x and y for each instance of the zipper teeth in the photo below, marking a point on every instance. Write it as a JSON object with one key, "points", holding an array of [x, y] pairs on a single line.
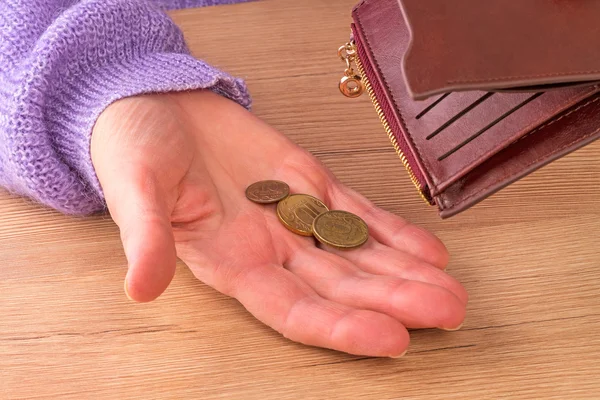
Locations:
{"points": [[388, 130]]}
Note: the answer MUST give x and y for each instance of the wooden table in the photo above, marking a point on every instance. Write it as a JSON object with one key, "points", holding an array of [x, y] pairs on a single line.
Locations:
{"points": [[529, 256]]}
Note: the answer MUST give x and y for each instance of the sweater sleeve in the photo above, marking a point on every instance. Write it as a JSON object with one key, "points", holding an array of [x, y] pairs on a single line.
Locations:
{"points": [[62, 62]]}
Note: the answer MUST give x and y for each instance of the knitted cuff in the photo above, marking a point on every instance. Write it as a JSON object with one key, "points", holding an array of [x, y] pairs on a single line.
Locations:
{"points": [[65, 70]]}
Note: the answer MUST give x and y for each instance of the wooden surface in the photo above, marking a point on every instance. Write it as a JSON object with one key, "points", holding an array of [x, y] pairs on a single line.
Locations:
{"points": [[529, 256]]}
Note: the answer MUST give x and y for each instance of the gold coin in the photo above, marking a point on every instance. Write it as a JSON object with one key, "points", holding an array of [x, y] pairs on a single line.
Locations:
{"points": [[267, 192], [297, 212], [340, 229]]}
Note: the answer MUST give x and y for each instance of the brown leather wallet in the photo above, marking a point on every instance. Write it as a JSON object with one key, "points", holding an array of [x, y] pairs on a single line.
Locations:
{"points": [[473, 94]]}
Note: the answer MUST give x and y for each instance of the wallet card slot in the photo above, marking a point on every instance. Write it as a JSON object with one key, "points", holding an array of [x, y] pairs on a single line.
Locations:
{"points": [[462, 113], [432, 105], [489, 126], [487, 130], [461, 116]]}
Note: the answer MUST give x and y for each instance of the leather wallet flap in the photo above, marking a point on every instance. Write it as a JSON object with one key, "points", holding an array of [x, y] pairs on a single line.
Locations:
{"points": [[493, 45]]}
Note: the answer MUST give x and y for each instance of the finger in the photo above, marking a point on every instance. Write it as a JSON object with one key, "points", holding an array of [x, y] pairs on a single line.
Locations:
{"points": [[391, 230], [415, 304], [281, 300], [138, 207], [378, 259]]}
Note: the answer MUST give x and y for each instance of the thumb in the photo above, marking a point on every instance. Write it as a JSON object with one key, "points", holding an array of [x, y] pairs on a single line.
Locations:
{"points": [[139, 158], [139, 209]]}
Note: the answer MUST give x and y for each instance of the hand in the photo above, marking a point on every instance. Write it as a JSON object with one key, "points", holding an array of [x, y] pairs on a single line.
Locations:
{"points": [[174, 168]]}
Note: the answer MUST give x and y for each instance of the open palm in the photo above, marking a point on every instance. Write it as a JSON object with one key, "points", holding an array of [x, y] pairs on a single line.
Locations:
{"points": [[174, 168]]}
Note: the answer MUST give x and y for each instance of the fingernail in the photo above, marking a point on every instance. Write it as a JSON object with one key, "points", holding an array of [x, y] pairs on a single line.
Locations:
{"points": [[401, 355], [126, 291], [453, 330]]}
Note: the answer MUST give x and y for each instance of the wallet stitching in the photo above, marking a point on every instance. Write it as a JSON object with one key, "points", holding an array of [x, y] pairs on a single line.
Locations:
{"points": [[524, 76], [557, 119], [402, 119], [447, 204]]}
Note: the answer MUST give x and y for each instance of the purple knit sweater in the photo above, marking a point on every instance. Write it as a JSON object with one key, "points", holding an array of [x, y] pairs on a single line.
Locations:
{"points": [[62, 62]]}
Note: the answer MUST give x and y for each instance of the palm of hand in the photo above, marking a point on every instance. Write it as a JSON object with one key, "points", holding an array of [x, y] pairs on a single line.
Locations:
{"points": [[174, 169]]}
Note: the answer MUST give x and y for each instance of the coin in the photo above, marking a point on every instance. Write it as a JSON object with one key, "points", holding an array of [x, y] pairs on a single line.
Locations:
{"points": [[340, 229], [267, 192], [297, 212]]}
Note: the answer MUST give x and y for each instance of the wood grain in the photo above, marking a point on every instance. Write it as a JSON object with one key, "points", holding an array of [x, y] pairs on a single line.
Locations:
{"points": [[529, 257]]}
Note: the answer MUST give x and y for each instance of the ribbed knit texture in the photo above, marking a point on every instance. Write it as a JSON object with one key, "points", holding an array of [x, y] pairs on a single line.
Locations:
{"points": [[62, 62]]}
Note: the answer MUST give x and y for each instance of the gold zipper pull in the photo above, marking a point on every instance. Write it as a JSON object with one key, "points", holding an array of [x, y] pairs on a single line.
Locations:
{"points": [[351, 84]]}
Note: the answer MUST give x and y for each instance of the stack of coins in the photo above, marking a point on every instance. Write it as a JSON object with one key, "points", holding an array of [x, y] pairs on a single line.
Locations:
{"points": [[308, 216]]}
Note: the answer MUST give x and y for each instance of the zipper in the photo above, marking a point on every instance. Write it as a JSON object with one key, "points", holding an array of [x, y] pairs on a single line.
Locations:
{"points": [[353, 85]]}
